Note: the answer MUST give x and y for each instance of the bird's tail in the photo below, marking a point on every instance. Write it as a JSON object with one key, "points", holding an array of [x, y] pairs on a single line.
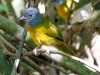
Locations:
{"points": [[63, 47]]}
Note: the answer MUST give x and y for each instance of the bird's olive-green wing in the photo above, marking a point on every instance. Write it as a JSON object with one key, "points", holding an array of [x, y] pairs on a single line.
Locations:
{"points": [[52, 31]]}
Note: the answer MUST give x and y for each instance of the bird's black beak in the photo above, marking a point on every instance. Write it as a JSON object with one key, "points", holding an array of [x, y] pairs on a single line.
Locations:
{"points": [[23, 18]]}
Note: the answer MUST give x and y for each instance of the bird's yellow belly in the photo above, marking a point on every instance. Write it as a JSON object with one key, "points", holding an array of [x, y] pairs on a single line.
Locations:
{"points": [[40, 38]]}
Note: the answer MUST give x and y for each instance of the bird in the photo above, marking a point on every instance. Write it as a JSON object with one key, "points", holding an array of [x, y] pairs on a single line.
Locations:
{"points": [[43, 32], [62, 7]]}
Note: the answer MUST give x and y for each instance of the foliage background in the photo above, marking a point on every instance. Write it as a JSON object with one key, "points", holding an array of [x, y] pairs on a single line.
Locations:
{"points": [[81, 35]]}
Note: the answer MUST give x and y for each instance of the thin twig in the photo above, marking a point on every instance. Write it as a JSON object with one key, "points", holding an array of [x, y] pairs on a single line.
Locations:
{"points": [[51, 65], [8, 44], [68, 17], [5, 51], [14, 55], [94, 41], [34, 65], [68, 56], [30, 63], [19, 52], [95, 2], [29, 68]]}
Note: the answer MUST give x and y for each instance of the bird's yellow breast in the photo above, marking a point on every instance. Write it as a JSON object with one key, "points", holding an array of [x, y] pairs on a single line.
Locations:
{"points": [[39, 36], [62, 11]]}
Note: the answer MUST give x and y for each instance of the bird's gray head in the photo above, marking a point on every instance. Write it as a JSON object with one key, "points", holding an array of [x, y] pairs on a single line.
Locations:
{"points": [[58, 2], [32, 16]]}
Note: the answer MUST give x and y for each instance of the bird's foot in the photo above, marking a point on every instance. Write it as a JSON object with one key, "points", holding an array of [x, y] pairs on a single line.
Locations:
{"points": [[47, 52], [35, 51], [47, 48]]}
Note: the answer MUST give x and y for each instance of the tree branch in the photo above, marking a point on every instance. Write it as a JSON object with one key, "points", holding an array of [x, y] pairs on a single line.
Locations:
{"points": [[66, 55]]}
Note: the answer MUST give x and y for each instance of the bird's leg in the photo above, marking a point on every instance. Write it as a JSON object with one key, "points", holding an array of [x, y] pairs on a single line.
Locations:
{"points": [[48, 50], [35, 50]]}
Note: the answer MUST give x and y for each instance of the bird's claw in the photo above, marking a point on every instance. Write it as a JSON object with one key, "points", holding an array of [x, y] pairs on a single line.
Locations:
{"points": [[35, 51], [47, 52]]}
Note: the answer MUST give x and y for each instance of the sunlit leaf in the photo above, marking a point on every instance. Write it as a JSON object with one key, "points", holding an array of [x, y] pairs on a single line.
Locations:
{"points": [[2, 7]]}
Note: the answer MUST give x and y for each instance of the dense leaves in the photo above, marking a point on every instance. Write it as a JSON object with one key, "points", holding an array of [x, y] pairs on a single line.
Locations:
{"points": [[80, 31]]}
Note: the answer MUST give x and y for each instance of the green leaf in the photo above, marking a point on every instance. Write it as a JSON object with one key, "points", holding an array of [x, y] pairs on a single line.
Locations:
{"points": [[5, 68], [81, 3], [2, 7]]}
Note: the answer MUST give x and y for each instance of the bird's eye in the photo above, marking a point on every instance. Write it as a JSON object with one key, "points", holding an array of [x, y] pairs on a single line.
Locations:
{"points": [[30, 15]]}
